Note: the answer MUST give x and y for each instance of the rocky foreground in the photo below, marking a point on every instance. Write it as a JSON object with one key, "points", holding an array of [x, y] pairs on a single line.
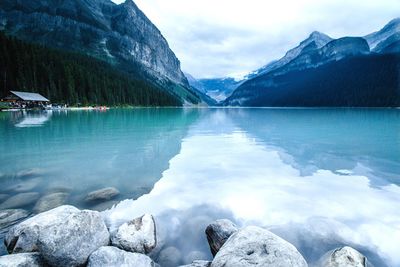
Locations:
{"points": [[67, 236]]}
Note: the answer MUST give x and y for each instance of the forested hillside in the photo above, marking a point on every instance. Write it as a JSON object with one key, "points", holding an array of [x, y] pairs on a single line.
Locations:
{"points": [[362, 81], [72, 78]]}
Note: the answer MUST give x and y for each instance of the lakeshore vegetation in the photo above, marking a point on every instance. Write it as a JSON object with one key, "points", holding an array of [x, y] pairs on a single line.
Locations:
{"points": [[73, 78]]}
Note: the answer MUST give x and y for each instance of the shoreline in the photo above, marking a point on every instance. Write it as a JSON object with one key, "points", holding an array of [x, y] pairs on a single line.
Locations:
{"points": [[50, 238]]}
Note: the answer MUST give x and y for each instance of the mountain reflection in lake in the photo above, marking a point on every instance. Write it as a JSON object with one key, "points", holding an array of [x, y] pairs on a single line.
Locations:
{"points": [[317, 177]]}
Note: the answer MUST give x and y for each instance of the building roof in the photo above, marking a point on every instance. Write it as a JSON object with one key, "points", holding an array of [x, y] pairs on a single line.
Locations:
{"points": [[30, 96]]}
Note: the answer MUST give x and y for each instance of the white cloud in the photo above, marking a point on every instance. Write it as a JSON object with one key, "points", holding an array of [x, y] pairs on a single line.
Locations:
{"points": [[225, 37]]}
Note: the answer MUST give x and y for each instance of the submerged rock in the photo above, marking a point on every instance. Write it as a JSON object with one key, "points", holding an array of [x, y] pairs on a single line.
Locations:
{"points": [[218, 232], [170, 257], [102, 194], [30, 173], [70, 242], [23, 237], [22, 260], [20, 200], [138, 235], [254, 246], [11, 216], [26, 185], [198, 263], [58, 188], [345, 256], [3, 197], [112, 256], [50, 201]]}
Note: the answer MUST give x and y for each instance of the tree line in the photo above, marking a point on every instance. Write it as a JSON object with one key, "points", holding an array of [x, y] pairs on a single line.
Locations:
{"points": [[72, 78]]}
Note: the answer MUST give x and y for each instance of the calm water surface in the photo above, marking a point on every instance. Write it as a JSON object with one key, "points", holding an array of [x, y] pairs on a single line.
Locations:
{"points": [[319, 178]]}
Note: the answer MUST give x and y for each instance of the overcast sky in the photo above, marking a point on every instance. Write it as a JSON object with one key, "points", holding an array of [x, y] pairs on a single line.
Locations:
{"points": [[216, 38]]}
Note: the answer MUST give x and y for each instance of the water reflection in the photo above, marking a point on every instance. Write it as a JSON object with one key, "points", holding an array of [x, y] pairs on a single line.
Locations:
{"points": [[311, 177], [31, 118], [77, 152]]}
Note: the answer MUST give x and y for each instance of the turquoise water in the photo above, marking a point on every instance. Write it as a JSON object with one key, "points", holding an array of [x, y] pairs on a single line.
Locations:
{"points": [[317, 177]]}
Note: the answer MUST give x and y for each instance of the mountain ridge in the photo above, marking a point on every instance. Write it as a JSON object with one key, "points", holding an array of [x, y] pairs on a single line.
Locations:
{"points": [[309, 58], [120, 34]]}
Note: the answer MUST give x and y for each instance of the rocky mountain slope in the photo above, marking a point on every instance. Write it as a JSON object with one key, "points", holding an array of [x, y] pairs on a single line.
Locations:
{"points": [[376, 39], [316, 40], [373, 77], [216, 88], [118, 34]]}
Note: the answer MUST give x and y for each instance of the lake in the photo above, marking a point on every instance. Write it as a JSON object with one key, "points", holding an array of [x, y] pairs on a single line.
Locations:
{"points": [[319, 178]]}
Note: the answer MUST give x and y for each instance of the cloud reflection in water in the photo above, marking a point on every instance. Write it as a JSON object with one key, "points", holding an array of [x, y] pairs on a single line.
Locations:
{"points": [[229, 174]]}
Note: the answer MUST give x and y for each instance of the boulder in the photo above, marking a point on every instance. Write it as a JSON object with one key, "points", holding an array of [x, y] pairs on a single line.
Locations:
{"points": [[138, 235], [102, 194], [112, 256], [20, 200], [254, 246], [23, 237], [11, 216], [170, 257], [70, 242], [50, 201], [22, 260], [218, 232], [198, 263], [345, 256]]}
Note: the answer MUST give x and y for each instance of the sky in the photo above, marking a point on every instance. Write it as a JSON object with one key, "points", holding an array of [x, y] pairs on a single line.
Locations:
{"points": [[220, 38]]}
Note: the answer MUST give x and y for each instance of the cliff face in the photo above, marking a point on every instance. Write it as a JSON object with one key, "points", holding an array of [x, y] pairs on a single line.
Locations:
{"points": [[119, 34]]}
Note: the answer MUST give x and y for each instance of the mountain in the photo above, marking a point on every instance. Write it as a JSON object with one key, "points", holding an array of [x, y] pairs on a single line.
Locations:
{"points": [[216, 88], [341, 72], [316, 40], [376, 39], [118, 34], [195, 83], [358, 81], [221, 88], [72, 78]]}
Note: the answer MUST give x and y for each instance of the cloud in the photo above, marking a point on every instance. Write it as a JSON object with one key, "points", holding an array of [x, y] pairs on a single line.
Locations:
{"points": [[227, 38]]}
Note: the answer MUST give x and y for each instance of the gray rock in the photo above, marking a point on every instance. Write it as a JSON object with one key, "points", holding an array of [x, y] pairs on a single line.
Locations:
{"points": [[20, 200], [70, 242], [3, 197], [170, 257], [11, 216], [102, 194], [50, 201], [25, 185], [105, 205], [198, 263], [218, 232], [112, 256], [121, 33], [58, 188], [22, 260], [23, 237], [195, 256], [345, 256], [254, 246], [30, 173], [138, 235]]}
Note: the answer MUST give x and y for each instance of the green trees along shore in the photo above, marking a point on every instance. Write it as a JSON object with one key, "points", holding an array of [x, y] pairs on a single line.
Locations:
{"points": [[72, 78]]}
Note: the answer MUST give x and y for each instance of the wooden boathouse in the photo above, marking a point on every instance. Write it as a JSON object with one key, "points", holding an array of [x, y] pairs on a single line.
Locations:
{"points": [[19, 99]]}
